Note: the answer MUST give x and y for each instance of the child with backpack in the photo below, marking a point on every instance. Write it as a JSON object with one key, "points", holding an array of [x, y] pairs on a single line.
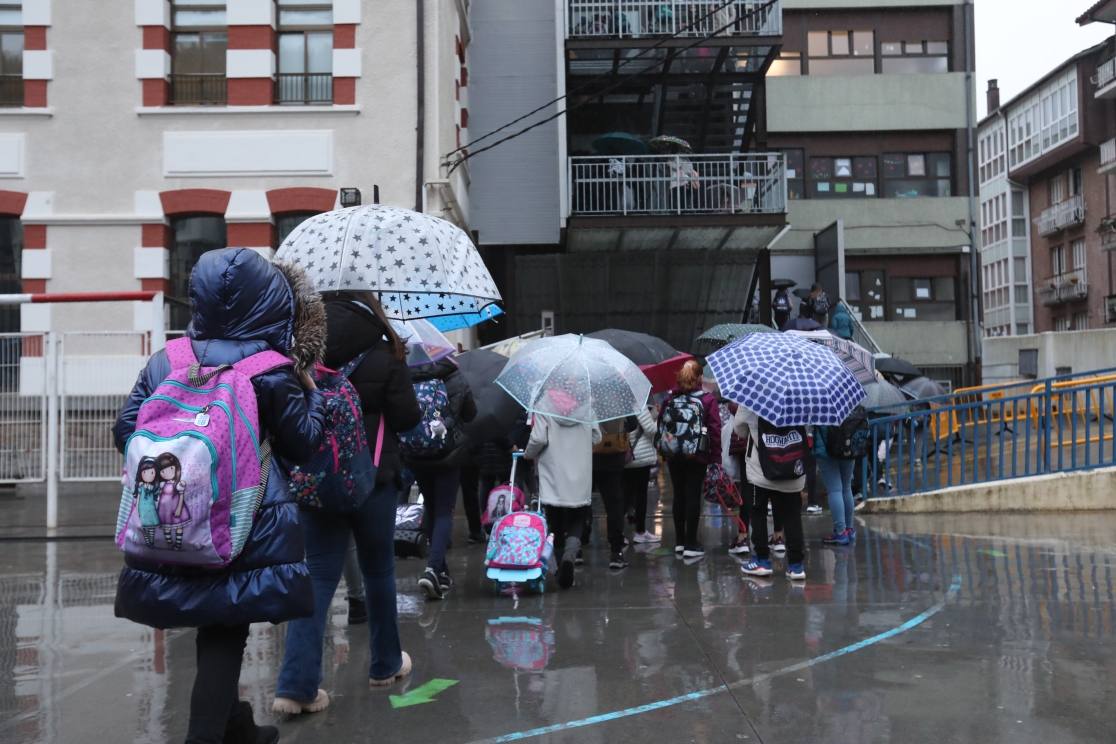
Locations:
{"points": [[220, 553], [689, 438], [838, 449], [435, 450], [775, 462]]}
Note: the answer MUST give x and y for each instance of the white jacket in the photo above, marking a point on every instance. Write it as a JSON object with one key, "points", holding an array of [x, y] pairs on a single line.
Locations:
{"points": [[563, 450], [643, 442], [744, 424]]}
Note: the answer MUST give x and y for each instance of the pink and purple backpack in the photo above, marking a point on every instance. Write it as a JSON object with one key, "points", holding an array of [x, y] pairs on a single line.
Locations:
{"points": [[503, 499], [518, 542], [195, 470]]}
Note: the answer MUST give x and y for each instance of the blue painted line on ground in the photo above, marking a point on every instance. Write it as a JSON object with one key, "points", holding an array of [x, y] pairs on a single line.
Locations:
{"points": [[852, 648]]}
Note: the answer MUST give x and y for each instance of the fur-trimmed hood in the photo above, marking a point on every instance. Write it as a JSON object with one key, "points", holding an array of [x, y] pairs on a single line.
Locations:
{"points": [[310, 318]]}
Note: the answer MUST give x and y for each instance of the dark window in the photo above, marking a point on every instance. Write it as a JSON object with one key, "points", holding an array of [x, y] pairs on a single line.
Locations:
{"points": [[305, 53], [842, 52], [11, 247], [910, 175], [193, 236], [796, 174], [866, 294], [842, 178], [11, 54], [901, 57], [200, 41], [923, 298], [284, 223]]}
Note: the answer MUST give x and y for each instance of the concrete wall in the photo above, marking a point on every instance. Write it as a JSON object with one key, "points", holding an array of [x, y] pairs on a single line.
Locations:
{"points": [[1061, 492], [1082, 351], [922, 342], [880, 225], [866, 103]]}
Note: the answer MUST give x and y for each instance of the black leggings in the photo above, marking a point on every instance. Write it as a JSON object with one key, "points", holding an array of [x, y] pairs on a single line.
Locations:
{"points": [[220, 650], [687, 478], [636, 482]]}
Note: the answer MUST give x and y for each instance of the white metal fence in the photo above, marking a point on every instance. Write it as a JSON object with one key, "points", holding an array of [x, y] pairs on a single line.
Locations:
{"points": [[23, 432], [678, 184], [1062, 215], [681, 18]]}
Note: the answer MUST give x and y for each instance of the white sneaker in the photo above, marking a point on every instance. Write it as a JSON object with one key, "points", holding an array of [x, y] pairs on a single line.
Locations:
{"points": [[693, 553], [813, 509], [679, 549], [646, 537]]}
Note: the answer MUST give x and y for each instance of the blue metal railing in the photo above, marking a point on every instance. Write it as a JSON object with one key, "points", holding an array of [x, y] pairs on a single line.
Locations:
{"points": [[1017, 430]]}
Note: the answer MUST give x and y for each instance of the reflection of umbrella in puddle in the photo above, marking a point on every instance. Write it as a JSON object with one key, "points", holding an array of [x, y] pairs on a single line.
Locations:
{"points": [[524, 644]]}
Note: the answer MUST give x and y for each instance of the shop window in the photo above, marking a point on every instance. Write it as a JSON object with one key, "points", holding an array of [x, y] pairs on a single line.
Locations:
{"points": [[913, 175], [842, 178], [193, 236], [914, 57], [841, 52], [200, 41]]}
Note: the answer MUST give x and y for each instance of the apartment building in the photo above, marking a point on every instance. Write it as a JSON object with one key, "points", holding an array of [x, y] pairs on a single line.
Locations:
{"points": [[871, 103], [1048, 157], [136, 135]]}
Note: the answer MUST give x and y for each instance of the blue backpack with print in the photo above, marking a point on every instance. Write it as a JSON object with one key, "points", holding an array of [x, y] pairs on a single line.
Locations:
{"points": [[428, 440]]}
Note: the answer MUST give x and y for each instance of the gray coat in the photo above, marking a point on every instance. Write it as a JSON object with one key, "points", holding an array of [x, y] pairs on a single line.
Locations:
{"points": [[643, 442], [563, 450]]}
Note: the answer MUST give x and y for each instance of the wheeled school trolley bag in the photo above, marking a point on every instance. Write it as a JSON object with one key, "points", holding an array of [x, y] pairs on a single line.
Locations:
{"points": [[518, 550]]}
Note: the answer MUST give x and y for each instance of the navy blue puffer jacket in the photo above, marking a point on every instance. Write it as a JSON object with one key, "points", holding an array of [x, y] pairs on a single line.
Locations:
{"points": [[241, 306]]}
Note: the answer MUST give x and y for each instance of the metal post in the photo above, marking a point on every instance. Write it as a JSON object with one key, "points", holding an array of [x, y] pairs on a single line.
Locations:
{"points": [[51, 390], [158, 323], [1047, 414]]}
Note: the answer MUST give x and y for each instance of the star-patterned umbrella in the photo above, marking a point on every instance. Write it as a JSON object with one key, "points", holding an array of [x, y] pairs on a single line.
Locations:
{"points": [[420, 266]]}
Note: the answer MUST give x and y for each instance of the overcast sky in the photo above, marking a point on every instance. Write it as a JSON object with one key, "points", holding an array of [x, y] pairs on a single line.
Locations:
{"points": [[1019, 41]]}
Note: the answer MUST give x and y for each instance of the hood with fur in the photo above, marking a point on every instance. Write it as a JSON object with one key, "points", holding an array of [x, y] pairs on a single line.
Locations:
{"points": [[310, 318]]}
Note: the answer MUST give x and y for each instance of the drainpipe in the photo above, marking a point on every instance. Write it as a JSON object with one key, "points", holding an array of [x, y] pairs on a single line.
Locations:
{"points": [[420, 100], [975, 353]]}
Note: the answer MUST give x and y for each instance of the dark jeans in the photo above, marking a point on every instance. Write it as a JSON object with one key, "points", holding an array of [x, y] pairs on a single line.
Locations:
{"points": [[439, 493], [788, 512], [686, 479], [812, 480], [220, 650], [636, 482], [610, 484], [567, 524], [327, 541]]}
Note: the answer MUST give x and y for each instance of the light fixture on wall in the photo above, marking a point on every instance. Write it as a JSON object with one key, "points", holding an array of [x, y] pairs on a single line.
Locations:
{"points": [[350, 197]]}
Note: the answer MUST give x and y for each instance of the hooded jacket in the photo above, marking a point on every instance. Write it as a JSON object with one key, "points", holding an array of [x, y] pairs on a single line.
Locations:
{"points": [[241, 306], [841, 322], [382, 381], [462, 405], [564, 452]]}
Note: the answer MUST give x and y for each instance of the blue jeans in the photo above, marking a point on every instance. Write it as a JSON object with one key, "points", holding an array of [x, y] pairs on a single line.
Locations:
{"points": [[327, 542], [837, 476], [439, 493]]}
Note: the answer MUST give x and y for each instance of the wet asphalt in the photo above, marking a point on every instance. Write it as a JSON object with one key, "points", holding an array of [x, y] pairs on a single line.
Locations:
{"points": [[981, 628]]}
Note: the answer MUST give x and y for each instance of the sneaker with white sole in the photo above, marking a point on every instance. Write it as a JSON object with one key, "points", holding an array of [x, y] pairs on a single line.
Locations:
{"points": [[617, 562], [813, 509], [740, 547], [403, 673], [679, 549], [796, 572], [290, 707], [431, 584], [757, 567], [693, 552], [646, 537], [778, 545]]}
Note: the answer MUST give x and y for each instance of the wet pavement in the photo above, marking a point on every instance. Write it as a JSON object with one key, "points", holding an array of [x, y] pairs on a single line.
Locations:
{"points": [[931, 629]]}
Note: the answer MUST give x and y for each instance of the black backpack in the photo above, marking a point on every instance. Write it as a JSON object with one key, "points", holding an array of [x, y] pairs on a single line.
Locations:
{"points": [[852, 439], [782, 302], [782, 451], [681, 428]]}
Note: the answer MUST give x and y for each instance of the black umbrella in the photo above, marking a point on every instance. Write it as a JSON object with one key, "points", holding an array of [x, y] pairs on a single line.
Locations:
{"points": [[803, 324], [641, 348], [783, 283], [897, 367], [497, 412]]}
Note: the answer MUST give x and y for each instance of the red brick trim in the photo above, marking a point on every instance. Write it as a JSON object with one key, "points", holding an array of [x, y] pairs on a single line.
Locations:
{"points": [[464, 118], [34, 286], [456, 90], [344, 36], [155, 235], [250, 234], [155, 285], [157, 37], [251, 91], [459, 49], [195, 201], [464, 76], [155, 92], [34, 237], [344, 91], [252, 37], [12, 203], [35, 93], [35, 38], [300, 199]]}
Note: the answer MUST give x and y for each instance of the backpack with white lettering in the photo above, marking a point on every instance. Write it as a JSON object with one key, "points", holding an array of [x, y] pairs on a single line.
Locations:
{"points": [[851, 439], [681, 429], [195, 470], [782, 451]]}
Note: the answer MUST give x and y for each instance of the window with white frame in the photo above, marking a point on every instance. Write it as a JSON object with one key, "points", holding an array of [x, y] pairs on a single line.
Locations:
{"points": [[991, 152], [994, 220], [305, 60], [1044, 120], [1057, 260], [1063, 323], [1080, 321], [1078, 249]]}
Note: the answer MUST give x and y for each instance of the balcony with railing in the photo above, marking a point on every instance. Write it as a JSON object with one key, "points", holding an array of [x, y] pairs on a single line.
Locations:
{"points": [[633, 19], [1068, 287], [304, 88], [11, 90], [1107, 156], [1064, 214], [1105, 79], [198, 89]]}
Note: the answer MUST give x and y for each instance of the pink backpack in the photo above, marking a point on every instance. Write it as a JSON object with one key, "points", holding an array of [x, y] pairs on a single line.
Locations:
{"points": [[518, 542], [503, 499], [195, 470]]}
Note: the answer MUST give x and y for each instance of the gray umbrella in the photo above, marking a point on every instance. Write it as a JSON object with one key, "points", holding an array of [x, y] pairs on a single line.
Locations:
{"points": [[884, 394], [922, 387]]}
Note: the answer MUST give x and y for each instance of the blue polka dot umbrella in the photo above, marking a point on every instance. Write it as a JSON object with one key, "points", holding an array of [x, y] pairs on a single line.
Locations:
{"points": [[786, 381]]}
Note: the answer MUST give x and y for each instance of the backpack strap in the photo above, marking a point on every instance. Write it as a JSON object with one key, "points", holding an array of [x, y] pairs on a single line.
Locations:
{"points": [[180, 353], [353, 364], [258, 364], [379, 442]]}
